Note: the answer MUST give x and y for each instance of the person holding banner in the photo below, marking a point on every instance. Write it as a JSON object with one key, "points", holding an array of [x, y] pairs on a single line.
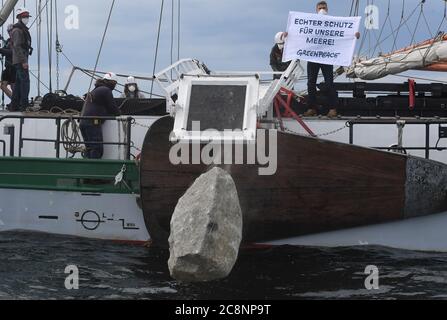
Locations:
{"points": [[327, 70]]}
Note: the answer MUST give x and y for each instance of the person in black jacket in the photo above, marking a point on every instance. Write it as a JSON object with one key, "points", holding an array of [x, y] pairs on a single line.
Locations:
{"points": [[99, 103], [21, 50], [9, 73], [276, 55]]}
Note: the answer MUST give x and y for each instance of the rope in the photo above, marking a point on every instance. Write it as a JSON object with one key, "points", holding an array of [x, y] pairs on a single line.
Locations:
{"points": [[178, 32], [158, 42], [38, 80], [393, 32], [39, 46], [71, 137], [38, 16], [383, 27], [49, 47], [443, 18], [58, 47], [102, 43], [172, 33]]}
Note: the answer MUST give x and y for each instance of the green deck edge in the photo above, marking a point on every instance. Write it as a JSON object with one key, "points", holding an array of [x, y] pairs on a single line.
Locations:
{"points": [[69, 175]]}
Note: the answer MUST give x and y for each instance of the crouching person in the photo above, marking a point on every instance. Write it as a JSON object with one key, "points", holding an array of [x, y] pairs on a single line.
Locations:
{"points": [[99, 103]]}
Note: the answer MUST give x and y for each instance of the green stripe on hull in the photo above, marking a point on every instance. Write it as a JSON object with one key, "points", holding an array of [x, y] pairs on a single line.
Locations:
{"points": [[73, 175]]}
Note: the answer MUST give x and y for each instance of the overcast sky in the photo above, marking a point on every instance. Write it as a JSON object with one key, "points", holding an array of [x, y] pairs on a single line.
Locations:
{"points": [[225, 34]]}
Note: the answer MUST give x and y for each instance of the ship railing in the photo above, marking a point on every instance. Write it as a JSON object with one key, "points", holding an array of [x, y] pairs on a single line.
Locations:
{"points": [[58, 141], [401, 123], [168, 79]]}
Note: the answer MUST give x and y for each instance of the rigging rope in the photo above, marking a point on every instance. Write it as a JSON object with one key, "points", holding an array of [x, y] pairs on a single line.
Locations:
{"points": [[49, 47], [58, 46], [39, 45], [383, 28], [156, 47], [395, 32], [102, 43], [178, 32], [172, 33]]}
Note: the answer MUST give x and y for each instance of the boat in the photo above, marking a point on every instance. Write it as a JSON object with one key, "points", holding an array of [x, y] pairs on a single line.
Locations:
{"points": [[335, 183], [318, 185]]}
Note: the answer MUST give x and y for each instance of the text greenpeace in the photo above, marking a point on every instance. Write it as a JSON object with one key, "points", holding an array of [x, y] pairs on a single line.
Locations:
{"points": [[321, 38]]}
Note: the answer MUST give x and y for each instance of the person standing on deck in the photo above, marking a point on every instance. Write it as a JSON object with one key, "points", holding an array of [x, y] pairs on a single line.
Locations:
{"points": [[9, 73], [131, 90], [276, 55], [99, 103], [328, 74], [21, 50]]}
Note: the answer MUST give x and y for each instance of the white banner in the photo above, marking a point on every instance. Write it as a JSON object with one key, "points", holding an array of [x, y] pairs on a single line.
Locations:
{"points": [[321, 38]]}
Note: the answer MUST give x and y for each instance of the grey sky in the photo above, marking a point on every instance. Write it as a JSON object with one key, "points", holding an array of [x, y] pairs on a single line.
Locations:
{"points": [[226, 35]]}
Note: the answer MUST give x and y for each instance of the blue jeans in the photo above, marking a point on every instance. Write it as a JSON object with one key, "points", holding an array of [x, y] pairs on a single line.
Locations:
{"points": [[312, 76], [21, 88], [92, 134]]}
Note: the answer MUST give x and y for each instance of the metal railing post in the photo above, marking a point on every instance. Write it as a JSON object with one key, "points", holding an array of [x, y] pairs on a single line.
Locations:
{"points": [[351, 133], [58, 137], [427, 141], [129, 137]]}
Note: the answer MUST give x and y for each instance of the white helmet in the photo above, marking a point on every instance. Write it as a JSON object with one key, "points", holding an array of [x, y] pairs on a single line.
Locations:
{"points": [[279, 38], [110, 76], [131, 80], [22, 12]]}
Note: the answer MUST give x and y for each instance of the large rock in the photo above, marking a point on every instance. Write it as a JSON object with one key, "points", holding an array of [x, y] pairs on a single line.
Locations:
{"points": [[206, 229]]}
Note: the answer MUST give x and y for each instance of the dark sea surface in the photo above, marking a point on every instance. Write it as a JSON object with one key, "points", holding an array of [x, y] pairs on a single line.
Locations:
{"points": [[32, 267]]}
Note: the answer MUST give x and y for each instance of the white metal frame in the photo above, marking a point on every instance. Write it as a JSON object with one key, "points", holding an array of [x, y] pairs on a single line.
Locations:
{"points": [[169, 78], [287, 80], [177, 80], [245, 134]]}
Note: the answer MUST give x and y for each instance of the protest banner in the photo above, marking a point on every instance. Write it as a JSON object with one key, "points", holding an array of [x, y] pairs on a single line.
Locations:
{"points": [[321, 38]]}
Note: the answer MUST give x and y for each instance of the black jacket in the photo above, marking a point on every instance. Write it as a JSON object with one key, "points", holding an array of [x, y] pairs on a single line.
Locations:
{"points": [[100, 103], [21, 43], [276, 60]]}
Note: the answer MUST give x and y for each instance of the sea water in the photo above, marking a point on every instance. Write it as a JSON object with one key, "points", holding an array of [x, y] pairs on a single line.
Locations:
{"points": [[33, 266]]}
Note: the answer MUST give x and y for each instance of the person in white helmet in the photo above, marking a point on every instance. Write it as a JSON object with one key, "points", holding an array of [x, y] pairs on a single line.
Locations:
{"points": [[9, 73], [21, 50], [276, 55], [99, 103], [131, 90]]}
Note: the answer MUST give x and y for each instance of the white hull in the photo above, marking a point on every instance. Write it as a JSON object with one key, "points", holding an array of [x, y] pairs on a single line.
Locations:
{"points": [[420, 234], [89, 215]]}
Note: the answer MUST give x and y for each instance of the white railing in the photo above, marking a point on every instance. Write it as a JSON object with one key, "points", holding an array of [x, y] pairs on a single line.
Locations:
{"points": [[169, 78], [287, 80]]}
